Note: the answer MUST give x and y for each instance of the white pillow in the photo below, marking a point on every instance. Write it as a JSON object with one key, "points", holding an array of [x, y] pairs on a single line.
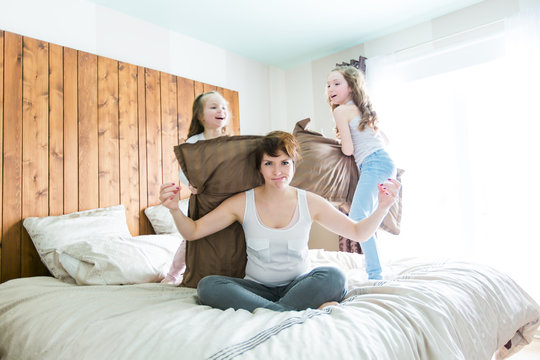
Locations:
{"points": [[162, 220], [52, 232], [119, 260]]}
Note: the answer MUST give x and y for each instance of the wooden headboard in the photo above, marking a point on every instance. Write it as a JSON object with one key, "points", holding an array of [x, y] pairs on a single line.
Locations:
{"points": [[80, 131]]}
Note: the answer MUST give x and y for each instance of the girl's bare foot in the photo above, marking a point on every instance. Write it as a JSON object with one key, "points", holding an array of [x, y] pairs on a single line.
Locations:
{"points": [[328, 303]]}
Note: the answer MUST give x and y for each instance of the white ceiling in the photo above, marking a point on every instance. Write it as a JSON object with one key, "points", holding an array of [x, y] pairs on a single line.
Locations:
{"points": [[285, 33]]}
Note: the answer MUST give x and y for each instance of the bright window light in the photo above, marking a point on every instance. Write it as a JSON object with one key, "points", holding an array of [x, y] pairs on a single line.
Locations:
{"points": [[468, 140]]}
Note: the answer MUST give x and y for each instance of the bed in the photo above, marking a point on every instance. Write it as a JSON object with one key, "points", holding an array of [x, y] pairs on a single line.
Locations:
{"points": [[104, 299], [423, 310]]}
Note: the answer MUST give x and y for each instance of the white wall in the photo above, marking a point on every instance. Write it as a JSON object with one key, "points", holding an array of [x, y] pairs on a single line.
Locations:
{"points": [[309, 80], [83, 25], [270, 98]]}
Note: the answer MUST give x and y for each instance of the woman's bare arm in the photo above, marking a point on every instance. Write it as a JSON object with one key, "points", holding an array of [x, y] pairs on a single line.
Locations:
{"points": [[329, 217], [225, 214]]}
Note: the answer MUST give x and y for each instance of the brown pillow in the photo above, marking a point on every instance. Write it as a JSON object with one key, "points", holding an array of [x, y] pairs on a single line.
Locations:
{"points": [[218, 168], [325, 171]]}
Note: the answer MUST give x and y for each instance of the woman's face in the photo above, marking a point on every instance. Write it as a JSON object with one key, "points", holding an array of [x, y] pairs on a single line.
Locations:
{"points": [[337, 88], [277, 171], [215, 112]]}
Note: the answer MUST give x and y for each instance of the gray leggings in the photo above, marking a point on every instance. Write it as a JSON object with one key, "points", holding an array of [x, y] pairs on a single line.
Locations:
{"points": [[320, 285]]}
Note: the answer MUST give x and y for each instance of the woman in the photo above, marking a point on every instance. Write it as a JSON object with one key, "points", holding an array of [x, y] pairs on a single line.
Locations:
{"points": [[276, 219]]}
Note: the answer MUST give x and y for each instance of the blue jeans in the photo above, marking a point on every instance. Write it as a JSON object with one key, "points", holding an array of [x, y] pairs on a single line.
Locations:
{"points": [[310, 290], [376, 168]]}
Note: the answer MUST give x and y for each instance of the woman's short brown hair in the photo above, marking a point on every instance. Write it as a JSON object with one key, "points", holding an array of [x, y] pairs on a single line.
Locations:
{"points": [[275, 141]]}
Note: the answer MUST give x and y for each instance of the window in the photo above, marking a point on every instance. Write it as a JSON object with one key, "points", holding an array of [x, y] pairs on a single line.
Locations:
{"points": [[464, 125]]}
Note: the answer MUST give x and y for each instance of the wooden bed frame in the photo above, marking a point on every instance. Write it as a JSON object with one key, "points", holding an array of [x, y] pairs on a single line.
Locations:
{"points": [[81, 131]]}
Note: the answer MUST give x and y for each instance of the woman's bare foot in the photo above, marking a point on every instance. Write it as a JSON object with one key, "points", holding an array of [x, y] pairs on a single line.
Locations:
{"points": [[328, 303]]}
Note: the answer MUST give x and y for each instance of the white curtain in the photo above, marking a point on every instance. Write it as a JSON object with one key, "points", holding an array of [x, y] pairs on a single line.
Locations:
{"points": [[464, 123]]}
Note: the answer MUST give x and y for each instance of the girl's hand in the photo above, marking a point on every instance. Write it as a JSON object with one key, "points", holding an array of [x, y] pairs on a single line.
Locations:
{"points": [[388, 193], [169, 195], [192, 189]]}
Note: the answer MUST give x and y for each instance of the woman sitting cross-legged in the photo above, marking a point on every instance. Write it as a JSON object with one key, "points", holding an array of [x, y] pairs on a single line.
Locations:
{"points": [[276, 219]]}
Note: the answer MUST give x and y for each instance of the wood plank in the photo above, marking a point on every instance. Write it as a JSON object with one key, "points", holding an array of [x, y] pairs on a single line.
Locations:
{"points": [[169, 126], [12, 151], [88, 131], [108, 151], [144, 224], [1, 133], [186, 95], [35, 153], [199, 88], [227, 94], [154, 163], [234, 122], [208, 87], [71, 132], [129, 144], [56, 130], [235, 109]]}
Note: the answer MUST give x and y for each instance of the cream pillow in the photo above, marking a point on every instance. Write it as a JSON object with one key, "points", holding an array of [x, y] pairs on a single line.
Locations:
{"points": [[52, 232], [162, 220], [116, 260]]}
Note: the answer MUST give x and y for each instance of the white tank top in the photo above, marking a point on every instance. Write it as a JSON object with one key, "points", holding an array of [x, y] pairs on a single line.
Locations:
{"points": [[364, 142], [275, 257]]}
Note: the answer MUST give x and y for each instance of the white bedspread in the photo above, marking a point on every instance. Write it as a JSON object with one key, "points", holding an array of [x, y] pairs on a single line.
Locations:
{"points": [[435, 311]]}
